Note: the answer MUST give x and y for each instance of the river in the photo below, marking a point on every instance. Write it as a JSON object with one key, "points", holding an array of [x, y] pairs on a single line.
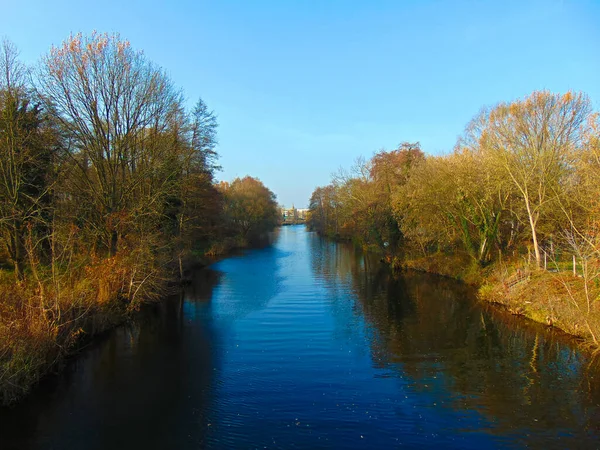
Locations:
{"points": [[312, 344]]}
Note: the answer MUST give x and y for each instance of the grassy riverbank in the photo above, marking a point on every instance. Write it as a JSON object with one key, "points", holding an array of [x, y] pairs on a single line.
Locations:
{"points": [[556, 297]]}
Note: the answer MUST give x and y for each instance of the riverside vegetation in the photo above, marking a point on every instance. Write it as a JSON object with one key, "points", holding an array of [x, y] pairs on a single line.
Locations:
{"points": [[514, 209], [107, 194]]}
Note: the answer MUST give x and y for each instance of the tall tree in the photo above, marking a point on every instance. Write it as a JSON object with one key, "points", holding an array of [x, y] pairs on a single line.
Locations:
{"points": [[204, 136], [392, 169], [118, 111], [250, 206], [533, 142], [200, 200], [322, 216], [389, 172]]}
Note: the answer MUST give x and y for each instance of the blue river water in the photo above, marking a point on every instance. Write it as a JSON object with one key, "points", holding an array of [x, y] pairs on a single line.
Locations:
{"points": [[312, 344]]}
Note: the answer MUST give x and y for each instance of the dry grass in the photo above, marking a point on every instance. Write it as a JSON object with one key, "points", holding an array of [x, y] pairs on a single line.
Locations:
{"points": [[43, 319], [557, 299]]}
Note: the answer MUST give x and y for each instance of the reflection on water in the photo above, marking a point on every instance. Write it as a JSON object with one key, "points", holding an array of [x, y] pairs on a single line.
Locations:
{"points": [[526, 381], [312, 344]]}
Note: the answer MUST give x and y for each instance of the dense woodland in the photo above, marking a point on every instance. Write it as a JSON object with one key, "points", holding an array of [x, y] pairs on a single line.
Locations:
{"points": [[107, 194], [514, 208]]}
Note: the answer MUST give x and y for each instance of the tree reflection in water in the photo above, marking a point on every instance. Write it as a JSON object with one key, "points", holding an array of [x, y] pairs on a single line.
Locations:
{"points": [[460, 353]]}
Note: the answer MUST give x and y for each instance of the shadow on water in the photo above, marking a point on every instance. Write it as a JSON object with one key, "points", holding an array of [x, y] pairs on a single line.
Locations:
{"points": [[136, 388], [526, 381]]}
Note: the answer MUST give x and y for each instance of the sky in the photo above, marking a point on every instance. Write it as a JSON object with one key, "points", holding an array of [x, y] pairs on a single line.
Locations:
{"points": [[302, 88]]}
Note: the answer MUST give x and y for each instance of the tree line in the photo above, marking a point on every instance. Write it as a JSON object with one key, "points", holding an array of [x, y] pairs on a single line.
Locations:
{"points": [[520, 191], [107, 190]]}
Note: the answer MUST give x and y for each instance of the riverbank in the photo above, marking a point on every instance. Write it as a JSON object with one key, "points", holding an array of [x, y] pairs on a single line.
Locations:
{"points": [[45, 321], [559, 299], [556, 298]]}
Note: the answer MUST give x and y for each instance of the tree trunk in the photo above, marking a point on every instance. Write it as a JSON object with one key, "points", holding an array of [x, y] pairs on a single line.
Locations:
{"points": [[19, 269], [16, 250], [114, 239], [532, 223]]}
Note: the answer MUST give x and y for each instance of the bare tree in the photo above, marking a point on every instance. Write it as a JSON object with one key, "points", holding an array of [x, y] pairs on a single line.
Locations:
{"points": [[533, 142], [25, 158], [118, 111]]}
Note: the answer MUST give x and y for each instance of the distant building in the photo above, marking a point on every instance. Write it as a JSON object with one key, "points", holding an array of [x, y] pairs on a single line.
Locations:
{"points": [[303, 213], [292, 215]]}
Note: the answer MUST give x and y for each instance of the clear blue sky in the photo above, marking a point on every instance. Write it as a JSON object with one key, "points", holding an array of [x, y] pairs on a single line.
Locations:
{"points": [[304, 87]]}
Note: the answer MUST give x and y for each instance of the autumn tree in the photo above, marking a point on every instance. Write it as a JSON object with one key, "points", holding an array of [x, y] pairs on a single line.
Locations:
{"points": [[582, 204], [481, 194], [422, 207], [118, 111], [533, 143], [250, 207], [354, 211], [322, 215], [199, 204], [357, 204], [392, 169], [389, 172]]}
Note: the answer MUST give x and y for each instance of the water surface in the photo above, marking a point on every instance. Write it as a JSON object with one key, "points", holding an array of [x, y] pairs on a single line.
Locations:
{"points": [[311, 344]]}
